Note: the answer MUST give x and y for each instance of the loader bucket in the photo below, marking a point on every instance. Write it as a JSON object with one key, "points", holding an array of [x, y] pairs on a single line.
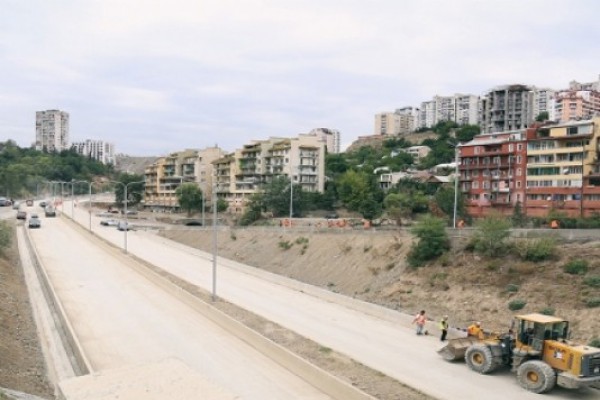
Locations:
{"points": [[456, 348]]}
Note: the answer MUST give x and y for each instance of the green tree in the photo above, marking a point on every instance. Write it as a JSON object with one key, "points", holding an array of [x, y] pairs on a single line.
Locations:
{"points": [[222, 205], [519, 219], [135, 189], [189, 196], [432, 241], [370, 208], [253, 211], [276, 197], [467, 132], [444, 199], [543, 116], [490, 235], [353, 189]]}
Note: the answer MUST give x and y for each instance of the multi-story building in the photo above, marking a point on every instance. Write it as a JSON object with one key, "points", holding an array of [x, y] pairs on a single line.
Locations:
{"points": [[168, 173], [399, 122], [543, 101], [562, 169], [492, 172], [572, 105], [51, 130], [330, 137], [460, 108], [507, 108], [544, 168], [243, 173], [96, 149]]}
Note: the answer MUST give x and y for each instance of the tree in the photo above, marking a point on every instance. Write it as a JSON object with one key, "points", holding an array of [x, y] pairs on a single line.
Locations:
{"points": [[491, 234], [222, 205], [353, 189], [370, 208], [543, 116], [253, 210], [444, 199], [135, 191], [467, 132], [432, 241], [189, 196], [518, 218], [276, 197]]}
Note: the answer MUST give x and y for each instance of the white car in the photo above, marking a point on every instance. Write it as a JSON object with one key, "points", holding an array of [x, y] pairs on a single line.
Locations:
{"points": [[109, 222]]}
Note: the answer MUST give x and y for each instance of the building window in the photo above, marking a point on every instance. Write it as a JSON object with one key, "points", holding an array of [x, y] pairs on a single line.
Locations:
{"points": [[519, 171]]}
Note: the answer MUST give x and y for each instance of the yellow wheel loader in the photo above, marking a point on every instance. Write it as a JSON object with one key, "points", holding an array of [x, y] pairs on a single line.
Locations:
{"points": [[537, 348]]}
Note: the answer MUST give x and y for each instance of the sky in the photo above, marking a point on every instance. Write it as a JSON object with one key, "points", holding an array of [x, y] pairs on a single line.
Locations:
{"points": [[159, 76]]}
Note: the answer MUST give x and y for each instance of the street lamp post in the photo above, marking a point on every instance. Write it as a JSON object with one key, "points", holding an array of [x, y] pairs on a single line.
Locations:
{"points": [[90, 200], [456, 176], [125, 200], [214, 244]]}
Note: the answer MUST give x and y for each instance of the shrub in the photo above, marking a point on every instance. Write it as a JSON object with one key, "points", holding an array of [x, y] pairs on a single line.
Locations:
{"points": [[517, 305], [576, 267], [233, 236], [302, 240], [548, 311], [491, 234], [592, 281], [538, 249], [366, 248], [433, 241], [285, 244], [512, 288], [593, 302], [595, 342]]}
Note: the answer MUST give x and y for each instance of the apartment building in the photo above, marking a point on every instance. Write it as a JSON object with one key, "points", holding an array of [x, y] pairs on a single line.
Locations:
{"points": [[244, 172], [543, 101], [507, 108], [576, 104], [168, 173], [399, 122], [97, 149], [51, 130], [492, 172], [562, 169], [460, 108], [330, 137], [544, 167]]}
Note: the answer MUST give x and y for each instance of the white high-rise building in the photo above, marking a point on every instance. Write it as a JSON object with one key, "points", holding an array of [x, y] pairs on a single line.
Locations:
{"points": [[399, 122], [51, 130], [460, 108], [96, 149], [543, 101]]}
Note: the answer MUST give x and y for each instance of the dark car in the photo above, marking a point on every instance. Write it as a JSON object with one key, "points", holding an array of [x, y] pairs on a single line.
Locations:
{"points": [[21, 215], [332, 215], [29, 202], [34, 221], [109, 222]]}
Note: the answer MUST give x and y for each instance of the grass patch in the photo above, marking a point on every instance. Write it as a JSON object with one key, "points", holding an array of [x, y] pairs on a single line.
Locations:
{"points": [[285, 244], [548, 311], [512, 288], [576, 267], [593, 302], [592, 281], [517, 305]]}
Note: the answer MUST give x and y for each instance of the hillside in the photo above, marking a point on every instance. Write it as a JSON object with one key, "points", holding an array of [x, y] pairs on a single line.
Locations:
{"points": [[370, 266]]}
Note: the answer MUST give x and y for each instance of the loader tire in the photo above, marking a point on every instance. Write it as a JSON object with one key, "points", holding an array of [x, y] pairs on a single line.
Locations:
{"points": [[536, 376], [479, 358]]}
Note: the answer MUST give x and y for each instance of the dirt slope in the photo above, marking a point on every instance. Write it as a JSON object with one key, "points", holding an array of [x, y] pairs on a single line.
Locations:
{"points": [[371, 266]]}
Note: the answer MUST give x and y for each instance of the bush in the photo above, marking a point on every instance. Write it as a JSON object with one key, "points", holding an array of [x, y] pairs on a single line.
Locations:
{"points": [[512, 288], [593, 302], [592, 281], [491, 234], [548, 311], [576, 267], [595, 342], [538, 249], [517, 305], [433, 241], [285, 245]]}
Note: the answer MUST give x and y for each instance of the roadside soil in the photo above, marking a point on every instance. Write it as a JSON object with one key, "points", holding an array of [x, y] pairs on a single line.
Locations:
{"points": [[22, 366]]}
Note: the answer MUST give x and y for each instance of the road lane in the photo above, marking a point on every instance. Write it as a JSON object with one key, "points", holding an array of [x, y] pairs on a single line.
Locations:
{"points": [[388, 346], [121, 318]]}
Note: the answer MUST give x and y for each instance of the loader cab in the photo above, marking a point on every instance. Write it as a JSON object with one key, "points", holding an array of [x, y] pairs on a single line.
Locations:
{"points": [[533, 329]]}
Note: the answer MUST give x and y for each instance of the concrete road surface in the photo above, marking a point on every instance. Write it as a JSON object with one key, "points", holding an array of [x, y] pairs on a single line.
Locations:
{"points": [[121, 318], [387, 345]]}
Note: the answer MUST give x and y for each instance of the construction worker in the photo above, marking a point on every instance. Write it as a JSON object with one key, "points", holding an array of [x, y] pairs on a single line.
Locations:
{"points": [[444, 327], [474, 330]]}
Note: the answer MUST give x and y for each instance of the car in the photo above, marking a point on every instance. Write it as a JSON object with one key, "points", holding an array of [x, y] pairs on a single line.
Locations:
{"points": [[42, 203], [29, 202], [129, 212], [21, 215], [123, 226], [109, 222], [16, 205], [332, 215], [50, 211], [34, 221], [4, 202]]}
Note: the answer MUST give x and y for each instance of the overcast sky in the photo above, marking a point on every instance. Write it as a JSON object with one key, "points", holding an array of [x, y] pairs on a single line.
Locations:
{"points": [[157, 76]]}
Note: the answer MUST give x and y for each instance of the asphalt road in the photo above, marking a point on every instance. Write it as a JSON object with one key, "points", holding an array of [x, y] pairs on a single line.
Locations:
{"points": [[388, 345]]}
